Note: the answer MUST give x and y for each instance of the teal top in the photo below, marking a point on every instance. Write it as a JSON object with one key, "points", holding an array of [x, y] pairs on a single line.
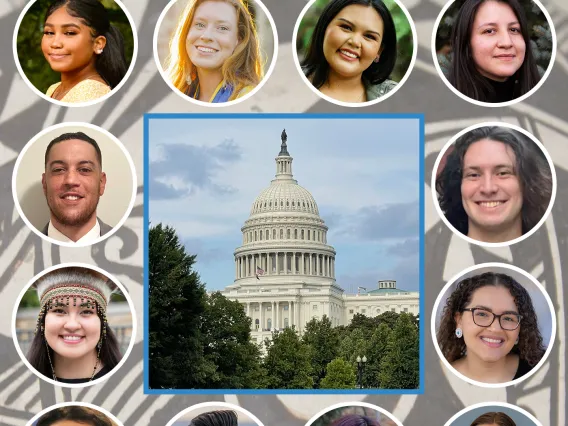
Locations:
{"points": [[375, 91]]}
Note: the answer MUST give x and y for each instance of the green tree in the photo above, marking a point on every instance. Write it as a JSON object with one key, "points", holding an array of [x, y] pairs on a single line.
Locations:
{"points": [[375, 354], [353, 345], [288, 361], [324, 340], [389, 318], [226, 333], [400, 366], [176, 303], [339, 375]]}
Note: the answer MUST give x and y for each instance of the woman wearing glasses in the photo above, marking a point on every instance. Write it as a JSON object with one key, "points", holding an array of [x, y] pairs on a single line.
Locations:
{"points": [[489, 329]]}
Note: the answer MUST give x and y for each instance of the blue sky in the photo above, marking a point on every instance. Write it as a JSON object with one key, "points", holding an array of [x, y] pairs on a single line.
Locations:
{"points": [[363, 173]]}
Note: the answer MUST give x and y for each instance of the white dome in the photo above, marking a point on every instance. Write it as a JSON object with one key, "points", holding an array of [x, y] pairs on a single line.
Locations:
{"points": [[284, 196]]}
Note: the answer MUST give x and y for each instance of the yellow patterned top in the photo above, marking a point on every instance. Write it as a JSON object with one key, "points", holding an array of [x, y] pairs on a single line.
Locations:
{"points": [[84, 91]]}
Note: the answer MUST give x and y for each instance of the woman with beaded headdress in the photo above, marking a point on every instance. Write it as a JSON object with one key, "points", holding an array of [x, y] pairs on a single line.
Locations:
{"points": [[73, 342]]}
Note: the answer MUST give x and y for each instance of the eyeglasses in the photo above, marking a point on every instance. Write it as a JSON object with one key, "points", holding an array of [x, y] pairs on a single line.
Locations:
{"points": [[484, 318]]}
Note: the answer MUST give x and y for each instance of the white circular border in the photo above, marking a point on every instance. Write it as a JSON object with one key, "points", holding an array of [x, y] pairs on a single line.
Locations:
{"points": [[132, 169], [495, 265], [352, 404], [358, 104], [494, 404], [215, 404], [132, 313], [75, 404], [435, 195], [494, 104], [76, 104], [221, 104]]}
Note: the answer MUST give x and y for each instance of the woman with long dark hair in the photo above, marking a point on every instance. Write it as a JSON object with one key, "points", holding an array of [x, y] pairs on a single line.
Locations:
{"points": [[82, 45], [73, 342], [489, 329], [492, 59], [352, 51]]}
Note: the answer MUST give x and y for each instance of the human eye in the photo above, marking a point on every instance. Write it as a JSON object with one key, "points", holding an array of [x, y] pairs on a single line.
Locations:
{"points": [[85, 170], [345, 26], [510, 318], [480, 313], [471, 175], [371, 36], [70, 33], [57, 310], [224, 28], [87, 312], [47, 32], [57, 170], [489, 31], [200, 25], [516, 30]]}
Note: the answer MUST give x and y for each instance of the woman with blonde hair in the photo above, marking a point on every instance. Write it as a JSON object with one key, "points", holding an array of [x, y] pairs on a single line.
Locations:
{"points": [[214, 53]]}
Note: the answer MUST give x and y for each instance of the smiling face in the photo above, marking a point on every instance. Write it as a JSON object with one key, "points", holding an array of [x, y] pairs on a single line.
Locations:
{"points": [[491, 192], [73, 183], [497, 44], [72, 331], [68, 44], [353, 40], [213, 34], [488, 344]]}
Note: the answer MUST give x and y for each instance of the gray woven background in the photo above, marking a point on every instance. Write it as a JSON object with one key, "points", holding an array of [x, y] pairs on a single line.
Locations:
{"points": [[23, 254]]}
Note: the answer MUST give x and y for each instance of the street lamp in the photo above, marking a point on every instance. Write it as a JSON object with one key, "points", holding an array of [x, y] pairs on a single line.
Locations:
{"points": [[360, 369]]}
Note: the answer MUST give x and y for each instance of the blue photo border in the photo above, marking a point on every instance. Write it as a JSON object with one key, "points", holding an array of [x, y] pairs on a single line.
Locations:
{"points": [[304, 116]]}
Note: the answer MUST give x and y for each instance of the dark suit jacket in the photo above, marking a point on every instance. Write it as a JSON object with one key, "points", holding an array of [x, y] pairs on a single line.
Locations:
{"points": [[104, 227]]}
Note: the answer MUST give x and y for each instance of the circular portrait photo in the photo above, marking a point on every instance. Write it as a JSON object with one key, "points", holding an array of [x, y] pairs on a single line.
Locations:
{"points": [[74, 414], [74, 325], [354, 52], [493, 414], [75, 52], [215, 52], [493, 325], [74, 184], [493, 184], [494, 52], [215, 414], [353, 414]]}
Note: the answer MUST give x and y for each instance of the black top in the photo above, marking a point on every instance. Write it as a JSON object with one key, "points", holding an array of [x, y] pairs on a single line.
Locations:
{"points": [[503, 90], [100, 374], [522, 369]]}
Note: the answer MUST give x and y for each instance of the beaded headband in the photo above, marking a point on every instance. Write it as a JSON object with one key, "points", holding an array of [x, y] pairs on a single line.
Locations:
{"points": [[63, 293]]}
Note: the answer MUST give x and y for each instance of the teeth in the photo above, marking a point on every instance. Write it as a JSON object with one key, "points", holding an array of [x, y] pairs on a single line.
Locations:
{"points": [[491, 204], [71, 197], [206, 49], [72, 338], [487, 339], [346, 53]]}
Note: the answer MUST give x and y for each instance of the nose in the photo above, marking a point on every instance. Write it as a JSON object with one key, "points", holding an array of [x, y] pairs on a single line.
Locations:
{"points": [[505, 40], [72, 322], [355, 40], [56, 41], [488, 185], [71, 178], [206, 34]]}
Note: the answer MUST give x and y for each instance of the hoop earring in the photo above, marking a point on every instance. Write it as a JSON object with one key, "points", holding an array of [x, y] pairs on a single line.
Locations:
{"points": [[459, 333]]}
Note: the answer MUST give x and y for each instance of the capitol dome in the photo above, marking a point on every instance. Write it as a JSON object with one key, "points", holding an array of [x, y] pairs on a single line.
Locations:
{"points": [[284, 234]]}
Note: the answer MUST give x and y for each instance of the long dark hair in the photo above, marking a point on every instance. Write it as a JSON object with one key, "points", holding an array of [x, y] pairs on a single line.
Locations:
{"points": [[37, 354], [83, 415], [530, 347], [531, 168], [111, 63], [464, 75], [315, 64]]}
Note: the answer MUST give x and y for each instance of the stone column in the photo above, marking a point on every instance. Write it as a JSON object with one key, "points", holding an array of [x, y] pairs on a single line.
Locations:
{"points": [[291, 313], [277, 315], [293, 262], [285, 263], [261, 327]]}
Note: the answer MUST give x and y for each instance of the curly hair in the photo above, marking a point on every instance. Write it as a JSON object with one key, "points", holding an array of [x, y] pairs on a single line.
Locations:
{"points": [[79, 414], [530, 347], [216, 418], [531, 168], [355, 420], [494, 417]]}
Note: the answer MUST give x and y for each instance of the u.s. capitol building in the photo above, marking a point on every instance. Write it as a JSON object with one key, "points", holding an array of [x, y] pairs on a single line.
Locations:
{"points": [[285, 269]]}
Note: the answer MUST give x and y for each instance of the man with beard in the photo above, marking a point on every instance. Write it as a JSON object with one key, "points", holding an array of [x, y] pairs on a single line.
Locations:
{"points": [[73, 183]]}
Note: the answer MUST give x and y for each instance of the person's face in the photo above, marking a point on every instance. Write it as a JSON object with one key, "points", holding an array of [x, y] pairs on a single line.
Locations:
{"points": [[67, 43], [72, 331], [352, 40], [497, 44], [73, 182], [489, 344], [491, 192], [213, 35]]}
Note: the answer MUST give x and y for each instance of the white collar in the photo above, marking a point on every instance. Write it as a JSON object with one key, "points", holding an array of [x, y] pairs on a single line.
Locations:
{"points": [[93, 234]]}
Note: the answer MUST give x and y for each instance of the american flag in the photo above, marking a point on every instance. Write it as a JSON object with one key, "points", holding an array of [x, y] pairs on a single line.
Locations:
{"points": [[259, 271]]}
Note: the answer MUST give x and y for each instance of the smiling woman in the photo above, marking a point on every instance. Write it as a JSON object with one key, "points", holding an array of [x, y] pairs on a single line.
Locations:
{"points": [[215, 52], [73, 342]]}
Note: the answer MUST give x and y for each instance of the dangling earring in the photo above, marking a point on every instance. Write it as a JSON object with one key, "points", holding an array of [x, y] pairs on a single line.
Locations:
{"points": [[517, 341], [459, 333], [376, 60]]}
